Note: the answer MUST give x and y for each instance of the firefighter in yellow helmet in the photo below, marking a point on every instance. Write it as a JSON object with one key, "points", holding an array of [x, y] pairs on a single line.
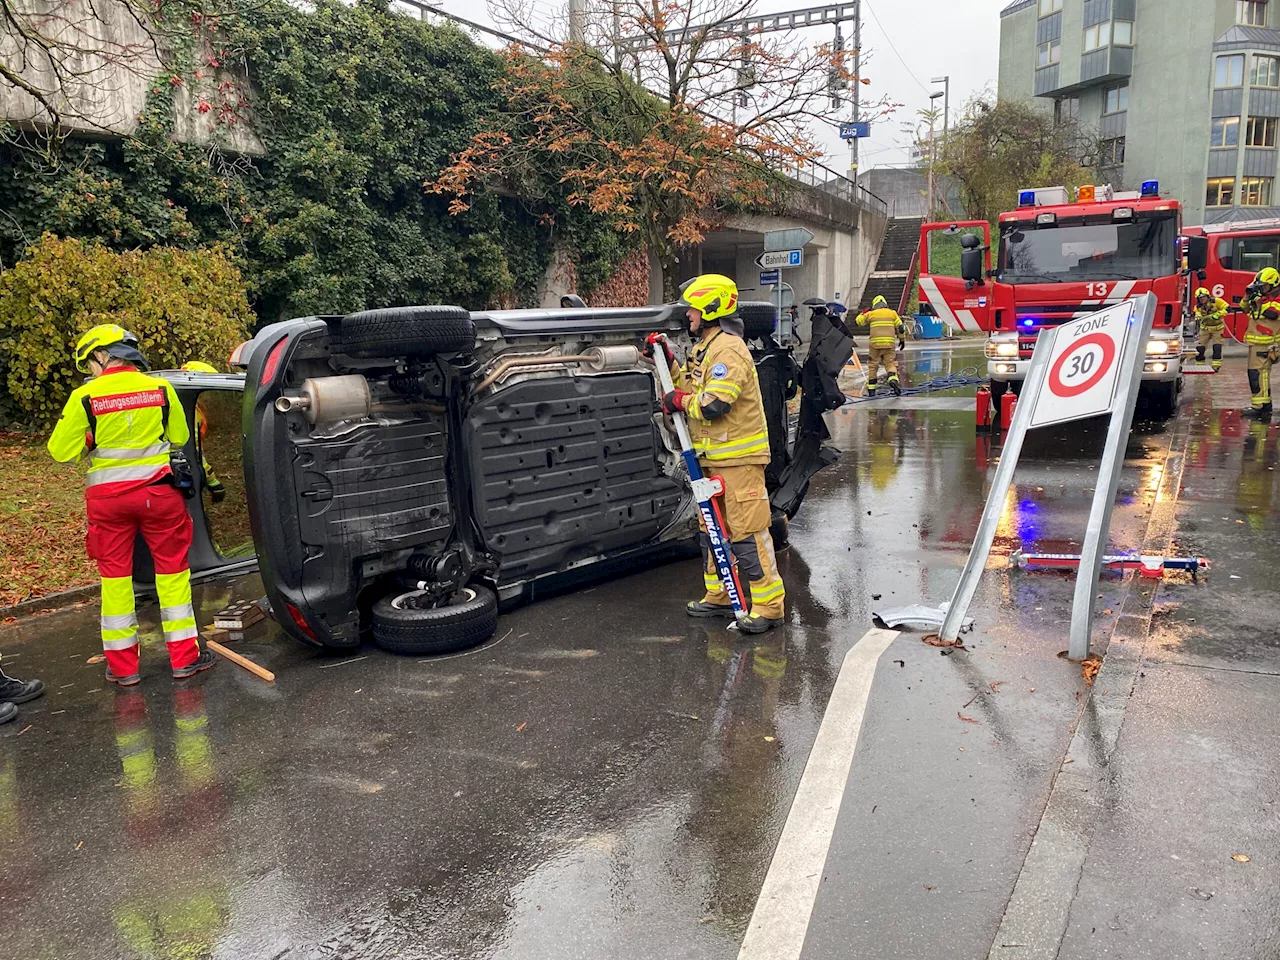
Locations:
{"points": [[217, 491], [127, 424], [1262, 307], [887, 333], [1211, 314], [717, 391]]}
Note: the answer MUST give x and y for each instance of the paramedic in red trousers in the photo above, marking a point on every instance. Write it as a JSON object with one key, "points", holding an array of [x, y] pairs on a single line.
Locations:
{"points": [[125, 423], [719, 395]]}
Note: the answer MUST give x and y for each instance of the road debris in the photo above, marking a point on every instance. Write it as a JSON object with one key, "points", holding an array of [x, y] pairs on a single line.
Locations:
{"points": [[933, 640], [1240, 857], [262, 673], [966, 719], [1089, 669], [97, 658]]}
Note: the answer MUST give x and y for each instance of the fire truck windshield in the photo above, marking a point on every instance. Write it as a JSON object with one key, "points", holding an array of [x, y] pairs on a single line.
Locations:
{"points": [[1100, 250]]}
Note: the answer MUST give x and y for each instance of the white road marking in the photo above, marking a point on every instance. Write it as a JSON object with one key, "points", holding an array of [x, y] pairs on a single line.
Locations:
{"points": [[781, 918]]}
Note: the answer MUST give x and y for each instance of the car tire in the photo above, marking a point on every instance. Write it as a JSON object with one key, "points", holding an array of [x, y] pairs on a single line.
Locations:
{"points": [[758, 319], [408, 332], [399, 627]]}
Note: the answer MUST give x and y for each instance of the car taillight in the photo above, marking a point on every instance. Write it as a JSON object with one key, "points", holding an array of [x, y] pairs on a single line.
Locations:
{"points": [[273, 362], [300, 620]]}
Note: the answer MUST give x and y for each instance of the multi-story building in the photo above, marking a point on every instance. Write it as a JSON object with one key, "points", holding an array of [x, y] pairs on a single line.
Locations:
{"points": [[1186, 92]]}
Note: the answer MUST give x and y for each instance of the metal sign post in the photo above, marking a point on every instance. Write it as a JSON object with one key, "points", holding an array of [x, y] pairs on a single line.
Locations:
{"points": [[1104, 495], [1082, 369], [991, 513]]}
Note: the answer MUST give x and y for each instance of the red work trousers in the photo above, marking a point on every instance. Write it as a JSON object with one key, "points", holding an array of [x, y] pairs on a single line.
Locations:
{"points": [[159, 513]]}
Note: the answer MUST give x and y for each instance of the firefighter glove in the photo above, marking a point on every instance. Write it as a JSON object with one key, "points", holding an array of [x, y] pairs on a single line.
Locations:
{"points": [[673, 402], [655, 341]]}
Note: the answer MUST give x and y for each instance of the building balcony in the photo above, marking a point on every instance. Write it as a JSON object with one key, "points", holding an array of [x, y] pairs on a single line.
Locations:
{"points": [[1098, 68]]}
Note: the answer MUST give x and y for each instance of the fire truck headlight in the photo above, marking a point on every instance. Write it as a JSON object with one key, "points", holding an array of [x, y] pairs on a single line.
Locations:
{"points": [[1161, 348]]}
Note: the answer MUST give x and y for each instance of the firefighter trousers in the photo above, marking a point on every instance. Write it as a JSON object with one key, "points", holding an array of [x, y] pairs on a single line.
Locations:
{"points": [[1210, 336], [747, 514], [159, 513], [882, 357], [1260, 375]]}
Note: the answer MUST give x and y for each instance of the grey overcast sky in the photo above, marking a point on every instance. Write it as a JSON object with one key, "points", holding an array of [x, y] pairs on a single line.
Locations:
{"points": [[932, 38]]}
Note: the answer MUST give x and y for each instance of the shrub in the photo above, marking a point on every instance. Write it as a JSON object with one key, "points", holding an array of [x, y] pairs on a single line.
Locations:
{"points": [[182, 304]]}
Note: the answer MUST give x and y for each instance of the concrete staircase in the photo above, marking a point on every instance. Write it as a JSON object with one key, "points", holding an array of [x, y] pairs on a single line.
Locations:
{"points": [[890, 276]]}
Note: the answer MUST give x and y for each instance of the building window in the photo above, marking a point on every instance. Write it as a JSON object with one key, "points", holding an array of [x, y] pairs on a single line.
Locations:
{"points": [[1252, 13], [1229, 71], [1117, 99], [1265, 72], [1066, 110], [1221, 192], [1255, 192], [1225, 132], [1112, 154], [1122, 33], [1049, 6], [1261, 132], [1097, 36], [1048, 53]]}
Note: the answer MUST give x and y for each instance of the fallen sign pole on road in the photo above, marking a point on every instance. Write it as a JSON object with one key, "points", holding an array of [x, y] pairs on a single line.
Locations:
{"points": [[1081, 369]]}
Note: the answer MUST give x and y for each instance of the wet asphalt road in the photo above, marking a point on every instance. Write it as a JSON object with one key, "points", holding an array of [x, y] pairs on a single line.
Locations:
{"points": [[609, 779]]}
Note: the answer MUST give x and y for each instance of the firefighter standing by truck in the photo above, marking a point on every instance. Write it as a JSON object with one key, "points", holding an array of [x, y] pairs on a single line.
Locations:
{"points": [[1211, 313], [127, 424], [887, 333], [1262, 307], [719, 395]]}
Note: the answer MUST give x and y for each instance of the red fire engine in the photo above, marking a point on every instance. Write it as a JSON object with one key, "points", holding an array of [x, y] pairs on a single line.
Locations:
{"points": [[1056, 261], [1235, 254]]}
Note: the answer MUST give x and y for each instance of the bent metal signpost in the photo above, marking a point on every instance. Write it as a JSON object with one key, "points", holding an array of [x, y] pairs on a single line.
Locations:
{"points": [[1086, 368]]}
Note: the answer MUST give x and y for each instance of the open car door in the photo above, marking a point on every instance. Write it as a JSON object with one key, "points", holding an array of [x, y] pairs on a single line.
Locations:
{"points": [[962, 304], [221, 543]]}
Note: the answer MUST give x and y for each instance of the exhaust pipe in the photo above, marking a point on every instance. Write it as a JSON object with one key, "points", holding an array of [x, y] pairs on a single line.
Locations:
{"points": [[327, 399]]}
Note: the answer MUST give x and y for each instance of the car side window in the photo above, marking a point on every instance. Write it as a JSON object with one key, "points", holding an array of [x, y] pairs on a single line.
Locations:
{"points": [[1257, 253], [217, 437], [1226, 253]]}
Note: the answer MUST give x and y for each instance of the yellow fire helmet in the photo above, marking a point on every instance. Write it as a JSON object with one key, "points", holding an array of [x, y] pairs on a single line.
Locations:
{"points": [[199, 366], [879, 302], [99, 338], [714, 295], [1203, 292], [1269, 276]]}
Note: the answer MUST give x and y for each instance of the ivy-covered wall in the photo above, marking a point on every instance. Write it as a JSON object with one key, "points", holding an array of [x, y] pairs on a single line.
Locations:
{"points": [[357, 107]]}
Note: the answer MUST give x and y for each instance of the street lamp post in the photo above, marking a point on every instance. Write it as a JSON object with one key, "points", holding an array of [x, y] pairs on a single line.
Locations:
{"points": [[946, 107], [932, 147]]}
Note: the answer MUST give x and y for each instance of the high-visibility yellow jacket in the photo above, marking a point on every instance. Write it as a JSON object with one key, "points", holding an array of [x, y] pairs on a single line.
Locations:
{"points": [[886, 326], [126, 422], [1213, 318], [1264, 322], [718, 374]]}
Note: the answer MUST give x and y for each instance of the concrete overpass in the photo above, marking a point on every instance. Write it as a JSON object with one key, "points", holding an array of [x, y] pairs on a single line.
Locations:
{"points": [[848, 224]]}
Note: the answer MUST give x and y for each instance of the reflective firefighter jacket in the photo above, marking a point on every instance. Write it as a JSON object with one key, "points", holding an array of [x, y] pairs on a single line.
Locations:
{"points": [[125, 421], [1264, 322], [886, 326], [720, 374], [1215, 317]]}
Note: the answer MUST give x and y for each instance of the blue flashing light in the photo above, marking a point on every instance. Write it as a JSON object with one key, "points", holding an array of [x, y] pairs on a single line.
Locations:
{"points": [[1028, 323], [1027, 198], [1151, 188]]}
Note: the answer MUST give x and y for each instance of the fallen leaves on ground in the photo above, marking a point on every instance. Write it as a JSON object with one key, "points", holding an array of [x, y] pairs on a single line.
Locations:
{"points": [[42, 524], [1089, 669], [97, 658], [994, 685], [522, 726], [933, 640], [1240, 857], [964, 718]]}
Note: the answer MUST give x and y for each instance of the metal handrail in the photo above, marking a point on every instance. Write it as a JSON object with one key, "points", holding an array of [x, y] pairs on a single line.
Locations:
{"points": [[905, 300]]}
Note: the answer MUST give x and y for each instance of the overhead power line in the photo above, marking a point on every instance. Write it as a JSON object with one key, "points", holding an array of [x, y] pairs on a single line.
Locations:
{"points": [[889, 40]]}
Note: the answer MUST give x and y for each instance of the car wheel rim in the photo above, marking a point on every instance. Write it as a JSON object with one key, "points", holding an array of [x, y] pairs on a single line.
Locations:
{"points": [[408, 601]]}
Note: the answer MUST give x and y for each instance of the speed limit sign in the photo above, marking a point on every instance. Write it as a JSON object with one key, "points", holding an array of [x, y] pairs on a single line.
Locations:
{"points": [[1083, 368]]}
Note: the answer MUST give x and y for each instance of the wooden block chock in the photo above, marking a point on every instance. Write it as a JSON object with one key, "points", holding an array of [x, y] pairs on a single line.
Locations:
{"points": [[261, 673]]}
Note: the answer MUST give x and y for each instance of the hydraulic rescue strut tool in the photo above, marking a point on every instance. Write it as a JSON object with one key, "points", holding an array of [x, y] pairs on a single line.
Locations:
{"points": [[708, 491]]}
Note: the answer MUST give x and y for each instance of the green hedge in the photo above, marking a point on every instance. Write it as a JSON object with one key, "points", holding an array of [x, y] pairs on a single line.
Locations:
{"points": [[183, 305]]}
